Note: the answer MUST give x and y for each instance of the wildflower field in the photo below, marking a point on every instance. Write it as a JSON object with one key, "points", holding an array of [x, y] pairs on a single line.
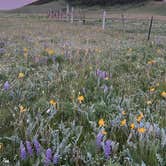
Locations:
{"points": [[77, 95]]}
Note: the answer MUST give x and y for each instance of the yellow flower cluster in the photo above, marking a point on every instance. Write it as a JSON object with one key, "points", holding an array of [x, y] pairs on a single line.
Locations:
{"points": [[151, 62], [141, 130], [163, 94], [152, 89], [21, 75], [22, 109], [53, 102], [159, 51], [130, 50], [132, 125], [149, 102], [123, 122], [123, 113], [80, 99], [139, 118], [25, 52], [101, 122], [104, 132], [50, 51]]}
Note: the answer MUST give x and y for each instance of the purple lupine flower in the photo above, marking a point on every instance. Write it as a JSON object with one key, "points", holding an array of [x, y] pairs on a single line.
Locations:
{"points": [[105, 88], [22, 151], [6, 86], [157, 130], [102, 76], [55, 159], [105, 74], [97, 72], [141, 124], [99, 139], [115, 122], [37, 146], [2, 50], [29, 148], [107, 149], [48, 157], [147, 125]]}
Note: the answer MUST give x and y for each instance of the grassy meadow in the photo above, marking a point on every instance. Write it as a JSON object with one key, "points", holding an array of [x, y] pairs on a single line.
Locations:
{"points": [[76, 95]]}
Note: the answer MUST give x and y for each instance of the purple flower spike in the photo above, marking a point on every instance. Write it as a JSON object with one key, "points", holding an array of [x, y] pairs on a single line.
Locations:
{"points": [[56, 159], [48, 157], [22, 151], [6, 86], [97, 72], [99, 139], [107, 149], [29, 148], [37, 146], [105, 88]]}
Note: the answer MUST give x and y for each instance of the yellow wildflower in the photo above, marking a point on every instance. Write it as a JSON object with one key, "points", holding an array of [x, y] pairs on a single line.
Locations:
{"points": [[141, 115], [123, 122], [149, 102], [106, 78], [151, 62], [21, 75], [152, 89], [25, 50], [50, 51], [101, 122], [130, 49], [158, 51], [103, 132], [158, 84], [139, 118], [163, 94], [53, 102], [141, 130], [123, 113], [22, 109], [80, 99], [132, 126]]}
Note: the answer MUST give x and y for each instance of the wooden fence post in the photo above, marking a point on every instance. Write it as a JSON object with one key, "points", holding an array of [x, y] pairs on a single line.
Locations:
{"points": [[72, 15], [67, 12], [123, 22], [61, 14], [150, 27], [104, 18], [83, 21], [49, 13]]}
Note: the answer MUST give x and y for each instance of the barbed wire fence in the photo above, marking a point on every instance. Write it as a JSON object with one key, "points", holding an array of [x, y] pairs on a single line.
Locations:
{"points": [[105, 19]]}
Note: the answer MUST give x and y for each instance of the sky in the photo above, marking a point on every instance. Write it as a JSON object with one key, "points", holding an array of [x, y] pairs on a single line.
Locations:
{"points": [[13, 4]]}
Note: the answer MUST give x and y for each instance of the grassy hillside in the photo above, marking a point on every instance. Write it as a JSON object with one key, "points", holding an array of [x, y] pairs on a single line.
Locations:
{"points": [[155, 8]]}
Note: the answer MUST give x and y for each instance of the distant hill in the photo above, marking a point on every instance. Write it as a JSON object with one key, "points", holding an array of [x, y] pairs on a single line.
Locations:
{"points": [[40, 2], [41, 6], [150, 7]]}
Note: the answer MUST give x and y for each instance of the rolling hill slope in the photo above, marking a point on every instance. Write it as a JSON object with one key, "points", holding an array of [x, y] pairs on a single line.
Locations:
{"points": [[152, 8]]}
